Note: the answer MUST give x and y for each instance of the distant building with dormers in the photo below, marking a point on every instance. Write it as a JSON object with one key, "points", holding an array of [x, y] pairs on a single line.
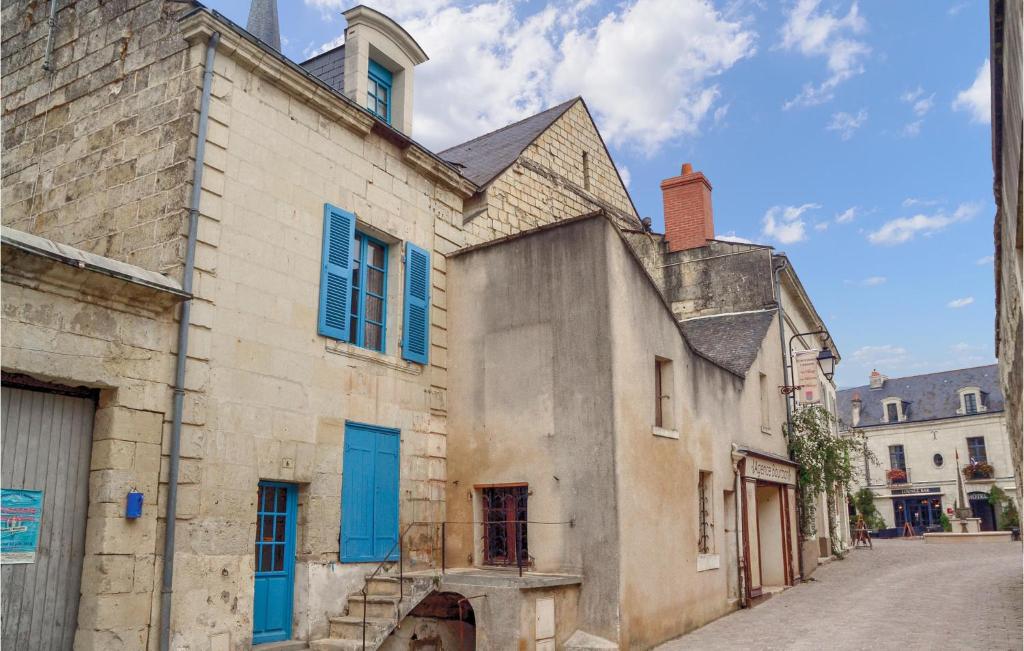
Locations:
{"points": [[917, 426]]}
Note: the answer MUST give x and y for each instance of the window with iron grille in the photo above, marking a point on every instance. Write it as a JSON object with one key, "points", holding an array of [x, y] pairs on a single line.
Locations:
{"points": [[705, 526], [505, 531]]}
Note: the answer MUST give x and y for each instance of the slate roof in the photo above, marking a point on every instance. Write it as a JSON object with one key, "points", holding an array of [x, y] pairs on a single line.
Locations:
{"points": [[329, 67], [485, 157], [731, 341], [926, 397]]}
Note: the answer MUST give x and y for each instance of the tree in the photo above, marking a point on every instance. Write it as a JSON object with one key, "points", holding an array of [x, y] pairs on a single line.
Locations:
{"points": [[1005, 509], [864, 502], [825, 464]]}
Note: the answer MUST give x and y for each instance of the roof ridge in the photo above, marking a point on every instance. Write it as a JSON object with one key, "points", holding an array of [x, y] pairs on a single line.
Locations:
{"points": [[908, 377], [564, 106]]}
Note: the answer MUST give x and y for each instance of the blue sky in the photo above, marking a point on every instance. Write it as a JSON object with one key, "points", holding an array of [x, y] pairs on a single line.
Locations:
{"points": [[852, 136]]}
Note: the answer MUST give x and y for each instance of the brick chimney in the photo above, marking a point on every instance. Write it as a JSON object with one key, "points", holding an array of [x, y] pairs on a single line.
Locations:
{"points": [[688, 220]]}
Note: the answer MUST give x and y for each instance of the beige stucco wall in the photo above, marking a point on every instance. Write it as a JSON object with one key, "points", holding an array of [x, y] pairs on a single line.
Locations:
{"points": [[921, 441], [548, 399]]}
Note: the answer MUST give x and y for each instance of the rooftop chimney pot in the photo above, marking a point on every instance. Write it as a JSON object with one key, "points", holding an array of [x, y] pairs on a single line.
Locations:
{"points": [[689, 222]]}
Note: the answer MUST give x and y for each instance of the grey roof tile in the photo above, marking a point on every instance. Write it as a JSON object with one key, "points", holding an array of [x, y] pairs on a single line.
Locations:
{"points": [[329, 67], [485, 157], [926, 397], [731, 340]]}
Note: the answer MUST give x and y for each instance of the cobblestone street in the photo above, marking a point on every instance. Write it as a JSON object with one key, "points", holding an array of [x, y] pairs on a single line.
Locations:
{"points": [[900, 595]]}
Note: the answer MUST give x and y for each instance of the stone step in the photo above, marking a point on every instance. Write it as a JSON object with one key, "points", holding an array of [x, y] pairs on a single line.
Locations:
{"points": [[377, 606], [386, 585], [351, 628], [287, 645], [333, 644]]}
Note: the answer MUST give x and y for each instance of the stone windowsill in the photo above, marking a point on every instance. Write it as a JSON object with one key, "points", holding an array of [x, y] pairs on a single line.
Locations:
{"points": [[707, 562], [365, 354], [665, 433]]}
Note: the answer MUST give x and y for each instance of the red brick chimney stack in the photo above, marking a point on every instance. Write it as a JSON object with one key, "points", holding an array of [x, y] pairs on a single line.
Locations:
{"points": [[688, 219]]}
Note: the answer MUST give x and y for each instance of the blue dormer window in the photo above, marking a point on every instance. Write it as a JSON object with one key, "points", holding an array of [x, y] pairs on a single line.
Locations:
{"points": [[378, 91]]}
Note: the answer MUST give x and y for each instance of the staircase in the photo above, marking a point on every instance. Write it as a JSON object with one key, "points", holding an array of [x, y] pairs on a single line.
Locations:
{"points": [[384, 612]]}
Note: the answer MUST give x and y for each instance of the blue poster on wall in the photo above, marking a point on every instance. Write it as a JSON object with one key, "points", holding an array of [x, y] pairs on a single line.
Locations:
{"points": [[20, 513]]}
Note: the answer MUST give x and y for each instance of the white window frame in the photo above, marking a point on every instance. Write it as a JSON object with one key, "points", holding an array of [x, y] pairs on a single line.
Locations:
{"points": [[900, 415], [962, 399]]}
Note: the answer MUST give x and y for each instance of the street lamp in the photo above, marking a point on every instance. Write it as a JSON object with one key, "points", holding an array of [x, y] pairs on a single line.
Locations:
{"points": [[827, 362]]}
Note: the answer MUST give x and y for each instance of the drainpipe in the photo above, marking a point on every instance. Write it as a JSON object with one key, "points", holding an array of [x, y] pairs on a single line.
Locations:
{"points": [[52, 22], [737, 496], [789, 408], [179, 370]]}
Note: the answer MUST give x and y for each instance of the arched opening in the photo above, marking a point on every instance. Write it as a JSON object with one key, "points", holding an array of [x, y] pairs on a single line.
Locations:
{"points": [[443, 620]]}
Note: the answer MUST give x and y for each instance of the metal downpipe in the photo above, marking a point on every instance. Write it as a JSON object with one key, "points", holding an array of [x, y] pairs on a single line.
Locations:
{"points": [[52, 24], [167, 584], [789, 412]]}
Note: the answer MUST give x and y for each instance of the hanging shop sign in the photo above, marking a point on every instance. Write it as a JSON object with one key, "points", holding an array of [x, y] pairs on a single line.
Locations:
{"points": [[20, 514], [809, 385]]}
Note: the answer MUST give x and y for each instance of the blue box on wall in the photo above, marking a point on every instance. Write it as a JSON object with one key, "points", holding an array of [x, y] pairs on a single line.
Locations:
{"points": [[133, 509]]}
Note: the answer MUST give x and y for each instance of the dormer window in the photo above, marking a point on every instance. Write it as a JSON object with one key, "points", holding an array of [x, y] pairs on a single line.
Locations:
{"points": [[378, 91], [972, 401], [893, 410]]}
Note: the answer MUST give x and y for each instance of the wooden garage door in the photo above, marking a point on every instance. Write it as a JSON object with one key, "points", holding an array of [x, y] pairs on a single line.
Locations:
{"points": [[47, 441]]}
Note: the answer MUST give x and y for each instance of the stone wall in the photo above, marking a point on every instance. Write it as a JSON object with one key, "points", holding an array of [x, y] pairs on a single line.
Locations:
{"points": [[547, 182], [96, 154], [1009, 223]]}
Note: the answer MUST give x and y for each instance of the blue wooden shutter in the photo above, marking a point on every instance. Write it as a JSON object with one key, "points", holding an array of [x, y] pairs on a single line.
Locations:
{"points": [[416, 312], [336, 273]]}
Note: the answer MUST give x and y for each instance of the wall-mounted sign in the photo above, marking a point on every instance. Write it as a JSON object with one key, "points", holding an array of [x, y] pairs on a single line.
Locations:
{"points": [[20, 514], [770, 471], [805, 362]]}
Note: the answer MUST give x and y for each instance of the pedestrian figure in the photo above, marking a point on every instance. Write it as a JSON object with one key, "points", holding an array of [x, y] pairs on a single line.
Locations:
{"points": [[861, 536]]}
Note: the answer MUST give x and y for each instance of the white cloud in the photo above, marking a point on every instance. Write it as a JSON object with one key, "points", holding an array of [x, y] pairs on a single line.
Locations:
{"points": [[816, 33], [847, 124], [873, 281], [527, 58], [957, 8], [919, 103], [884, 355], [641, 96], [846, 216], [731, 236], [909, 202], [904, 229], [625, 174], [821, 226], [960, 302], [783, 223], [977, 100], [981, 262], [912, 129]]}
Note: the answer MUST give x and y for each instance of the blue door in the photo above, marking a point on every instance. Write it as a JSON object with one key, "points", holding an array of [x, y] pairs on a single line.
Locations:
{"points": [[275, 562], [369, 494]]}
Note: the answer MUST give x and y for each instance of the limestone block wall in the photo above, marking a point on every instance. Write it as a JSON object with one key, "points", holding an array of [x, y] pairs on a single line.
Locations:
{"points": [[921, 441], [278, 395], [119, 342], [548, 184], [96, 154]]}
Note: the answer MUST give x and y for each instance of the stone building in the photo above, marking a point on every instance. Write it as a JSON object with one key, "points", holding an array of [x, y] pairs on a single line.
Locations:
{"points": [[226, 288], [1007, 135], [718, 287], [923, 430]]}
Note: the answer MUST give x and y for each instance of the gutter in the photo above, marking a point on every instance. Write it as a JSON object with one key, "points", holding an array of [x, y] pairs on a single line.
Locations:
{"points": [[167, 585]]}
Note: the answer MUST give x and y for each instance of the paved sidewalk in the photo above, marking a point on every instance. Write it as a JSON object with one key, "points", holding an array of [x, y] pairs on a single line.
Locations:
{"points": [[900, 595]]}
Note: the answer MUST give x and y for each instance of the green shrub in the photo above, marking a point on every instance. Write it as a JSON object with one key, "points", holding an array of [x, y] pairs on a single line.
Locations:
{"points": [[944, 521]]}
